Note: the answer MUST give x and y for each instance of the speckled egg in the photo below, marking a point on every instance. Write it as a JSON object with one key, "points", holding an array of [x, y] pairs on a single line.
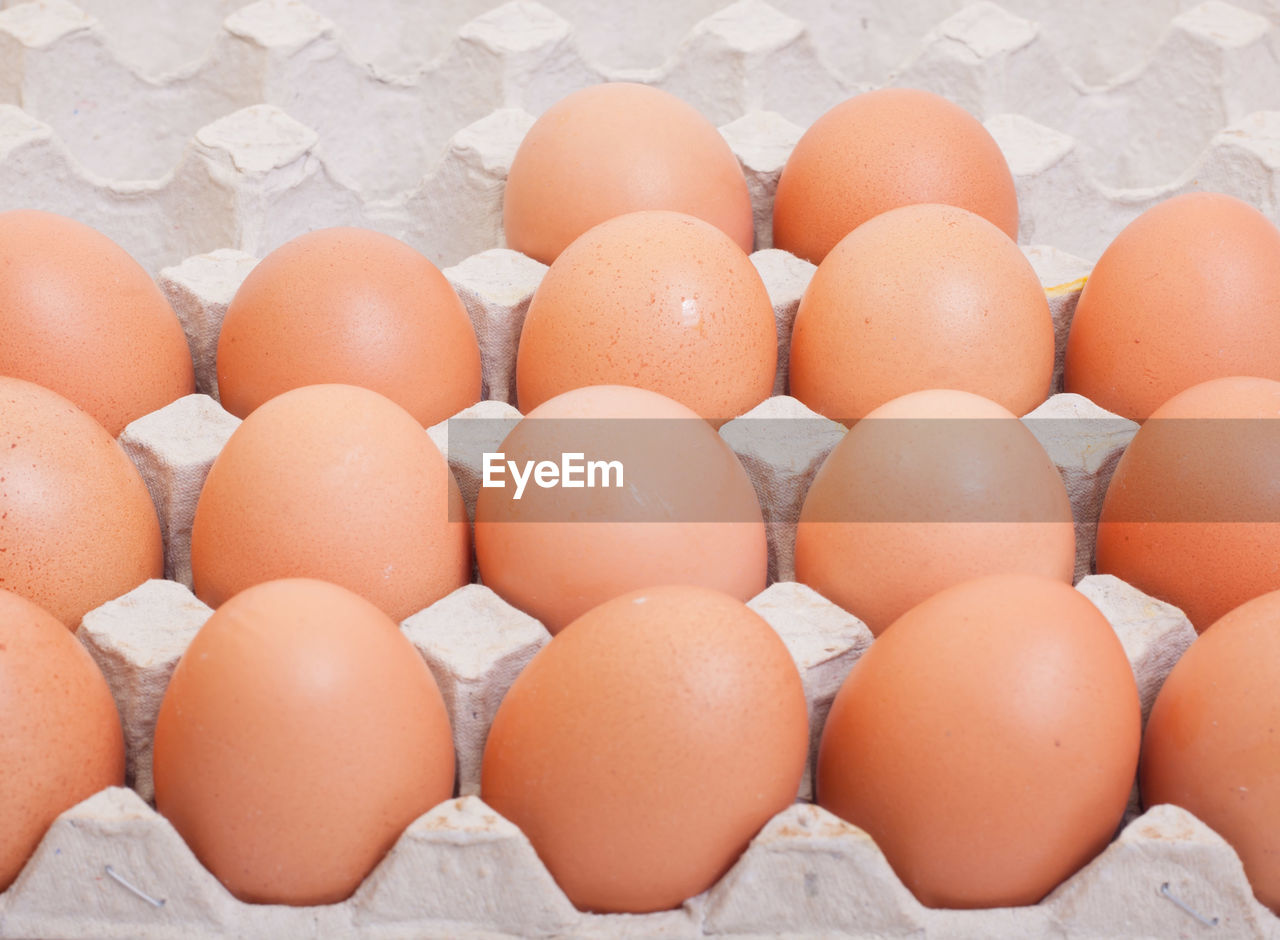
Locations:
{"points": [[881, 150], [1192, 514], [349, 306], [615, 148], [338, 483], [987, 741], [926, 296], [679, 510], [932, 489], [79, 316], [659, 300], [646, 744], [60, 737], [77, 525], [300, 734], [1187, 292]]}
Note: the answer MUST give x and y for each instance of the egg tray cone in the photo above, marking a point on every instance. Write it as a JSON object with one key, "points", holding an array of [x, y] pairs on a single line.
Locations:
{"points": [[202, 136]]}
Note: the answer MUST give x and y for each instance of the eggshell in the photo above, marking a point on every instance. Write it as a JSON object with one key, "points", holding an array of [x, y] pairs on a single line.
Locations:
{"points": [[644, 746], [77, 526], [881, 150], [987, 741], [1187, 292], [338, 483], [79, 316], [1192, 515], [1212, 745], [659, 300], [932, 489], [349, 306], [616, 148], [300, 734], [60, 736], [685, 514], [926, 296]]}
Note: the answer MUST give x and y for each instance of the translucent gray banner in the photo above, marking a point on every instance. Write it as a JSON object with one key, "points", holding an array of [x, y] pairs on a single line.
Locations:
{"points": [[886, 471]]}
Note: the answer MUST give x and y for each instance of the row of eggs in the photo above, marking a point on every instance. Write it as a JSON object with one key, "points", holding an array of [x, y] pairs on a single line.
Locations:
{"points": [[901, 198], [338, 482], [988, 741], [241, 752], [900, 304]]}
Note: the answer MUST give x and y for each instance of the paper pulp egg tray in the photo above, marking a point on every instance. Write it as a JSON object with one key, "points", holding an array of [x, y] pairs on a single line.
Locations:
{"points": [[201, 135]]}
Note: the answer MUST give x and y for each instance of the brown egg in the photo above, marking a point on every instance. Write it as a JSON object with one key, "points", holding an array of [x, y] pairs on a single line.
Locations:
{"points": [[81, 317], [1186, 293], [60, 737], [616, 148], [931, 489], [1192, 515], [987, 741], [881, 150], [338, 483], [354, 307], [680, 510], [643, 748], [1212, 744], [658, 300], [77, 526], [922, 297], [300, 734]]}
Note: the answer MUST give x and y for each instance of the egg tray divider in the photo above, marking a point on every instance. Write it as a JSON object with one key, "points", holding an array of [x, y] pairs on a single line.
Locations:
{"points": [[237, 167], [462, 870], [279, 129]]}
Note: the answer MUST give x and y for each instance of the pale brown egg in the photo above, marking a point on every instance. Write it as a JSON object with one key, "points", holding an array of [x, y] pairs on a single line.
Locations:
{"points": [[646, 744], [77, 525], [79, 316], [338, 483], [931, 489], [881, 150], [925, 296], [300, 734], [987, 741], [659, 300], [1192, 514], [1212, 744], [355, 307], [615, 148], [60, 737], [678, 509], [1187, 292]]}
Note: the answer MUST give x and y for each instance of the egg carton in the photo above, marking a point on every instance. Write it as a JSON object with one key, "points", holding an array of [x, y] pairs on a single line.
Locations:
{"points": [[403, 37], [863, 43], [288, 122], [279, 127], [780, 442], [113, 867], [728, 60]]}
